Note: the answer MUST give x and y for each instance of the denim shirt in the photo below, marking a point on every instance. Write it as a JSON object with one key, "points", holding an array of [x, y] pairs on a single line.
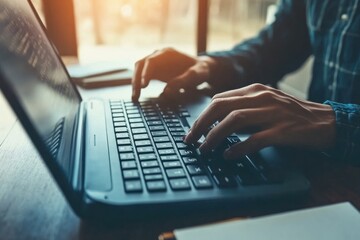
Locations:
{"points": [[327, 29]]}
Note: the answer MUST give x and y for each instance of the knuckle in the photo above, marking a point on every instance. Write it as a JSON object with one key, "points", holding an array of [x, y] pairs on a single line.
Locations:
{"points": [[217, 103], [139, 63], [235, 116], [266, 95], [216, 96], [257, 87]]}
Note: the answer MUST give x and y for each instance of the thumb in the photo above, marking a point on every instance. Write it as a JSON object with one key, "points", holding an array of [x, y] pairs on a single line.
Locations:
{"points": [[187, 80]]}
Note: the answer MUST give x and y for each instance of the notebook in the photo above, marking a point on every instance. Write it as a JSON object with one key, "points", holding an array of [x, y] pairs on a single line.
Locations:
{"points": [[116, 158], [333, 222]]}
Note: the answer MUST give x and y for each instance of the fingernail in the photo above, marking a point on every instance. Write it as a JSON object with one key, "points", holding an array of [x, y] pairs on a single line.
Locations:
{"points": [[204, 147], [187, 138]]}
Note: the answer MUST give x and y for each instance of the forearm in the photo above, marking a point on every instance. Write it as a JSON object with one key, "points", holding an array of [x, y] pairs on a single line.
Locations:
{"points": [[347, 143], [277, 50]]}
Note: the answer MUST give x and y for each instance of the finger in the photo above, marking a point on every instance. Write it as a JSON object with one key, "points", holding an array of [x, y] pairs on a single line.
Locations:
{"points": [[236, 121], [150, 66], [136, 80], [186, 80], [253, 144], [217, 110], [253, 88]]}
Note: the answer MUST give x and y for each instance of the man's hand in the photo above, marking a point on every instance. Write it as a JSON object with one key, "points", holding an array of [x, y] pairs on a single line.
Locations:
{"points": [[179, 70], [281, 119]]}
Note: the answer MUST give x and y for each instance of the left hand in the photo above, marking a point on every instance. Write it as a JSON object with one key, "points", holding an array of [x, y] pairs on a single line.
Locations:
{"points": [[282, 119]]}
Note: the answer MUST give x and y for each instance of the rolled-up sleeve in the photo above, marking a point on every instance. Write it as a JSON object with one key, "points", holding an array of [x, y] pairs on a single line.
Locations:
{"points": [[347, 145]]}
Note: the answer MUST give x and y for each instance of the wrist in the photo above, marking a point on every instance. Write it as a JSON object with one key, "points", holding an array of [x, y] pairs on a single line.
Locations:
{"points": [[208, 64]]}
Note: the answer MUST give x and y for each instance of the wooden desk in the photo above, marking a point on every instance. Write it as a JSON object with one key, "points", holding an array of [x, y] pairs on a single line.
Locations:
{"points": [[32, 206]]}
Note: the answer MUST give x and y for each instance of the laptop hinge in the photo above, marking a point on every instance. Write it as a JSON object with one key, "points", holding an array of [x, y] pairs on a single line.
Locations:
{"points": [[78, 149]]}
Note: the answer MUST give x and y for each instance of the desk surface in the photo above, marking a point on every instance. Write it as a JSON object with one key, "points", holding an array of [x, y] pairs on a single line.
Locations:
{"points": [[32, 206]]}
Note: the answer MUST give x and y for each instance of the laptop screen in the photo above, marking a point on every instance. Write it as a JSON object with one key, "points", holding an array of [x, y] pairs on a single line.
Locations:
{"points": [[31, 69]]}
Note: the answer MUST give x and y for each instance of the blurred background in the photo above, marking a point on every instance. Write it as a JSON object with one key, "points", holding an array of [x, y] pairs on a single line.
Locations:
{"points": [[131, 29]]}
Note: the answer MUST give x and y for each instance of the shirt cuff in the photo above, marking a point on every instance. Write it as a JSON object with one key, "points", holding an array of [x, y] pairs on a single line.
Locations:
{"points": [[347, 143]]}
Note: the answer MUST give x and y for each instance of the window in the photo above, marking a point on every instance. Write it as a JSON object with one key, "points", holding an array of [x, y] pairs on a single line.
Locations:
{"points": [[231, 21], [131, 29]]}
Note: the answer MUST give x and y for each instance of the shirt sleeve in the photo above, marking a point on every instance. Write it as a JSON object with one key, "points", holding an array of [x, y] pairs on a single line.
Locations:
{"points": [[278, 49], [347, 143]]}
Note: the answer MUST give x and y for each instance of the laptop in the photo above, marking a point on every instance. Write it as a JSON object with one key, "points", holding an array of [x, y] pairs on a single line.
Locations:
{"points": [[117, 158]]}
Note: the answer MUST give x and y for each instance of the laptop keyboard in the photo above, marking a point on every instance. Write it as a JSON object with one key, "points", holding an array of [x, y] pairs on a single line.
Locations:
{"points": [[154, 158]]}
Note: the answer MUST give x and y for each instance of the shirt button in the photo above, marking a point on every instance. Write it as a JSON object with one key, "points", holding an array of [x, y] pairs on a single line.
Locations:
{"points": [[344, 17], [330, 87], [331, 64]]}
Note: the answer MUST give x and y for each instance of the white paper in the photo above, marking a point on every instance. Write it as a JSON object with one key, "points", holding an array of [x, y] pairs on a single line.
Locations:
{"points": [[333, 222]]}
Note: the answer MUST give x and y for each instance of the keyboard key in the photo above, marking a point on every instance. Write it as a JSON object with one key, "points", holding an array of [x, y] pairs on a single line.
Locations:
{"points": [[224, 181], [128, 164], [169, 157], [120, 129], [176, 129], [175, 173], [142, 143], [166, 151], [127, 156], [156, 186], [147, 156], [163, 145], [123, 142], [133, 111], [141, 136], [131, 174], [145, 149], [172, 164], [151, 170], [147, 164], [184, 114], [153, 177], [172, 120], [117, 110], [173, 124], [134, 115], [178, 139], [161, 139], [186, 153], [133, 186], [179, 184], [181, 145], [202, 182], [135, 120], [118, 119], [152, 118], [137, 125], [155, 128], [169, 116], [119, 124], [195, 170], [150, 113], [118, 114], [189, 160], [159, 133], [122, 135], [125, 148], [176, 134], [138, 130], [153, 123]]}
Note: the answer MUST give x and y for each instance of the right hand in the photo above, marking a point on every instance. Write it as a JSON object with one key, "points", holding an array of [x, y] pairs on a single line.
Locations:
{"points": [[178, 70]]}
